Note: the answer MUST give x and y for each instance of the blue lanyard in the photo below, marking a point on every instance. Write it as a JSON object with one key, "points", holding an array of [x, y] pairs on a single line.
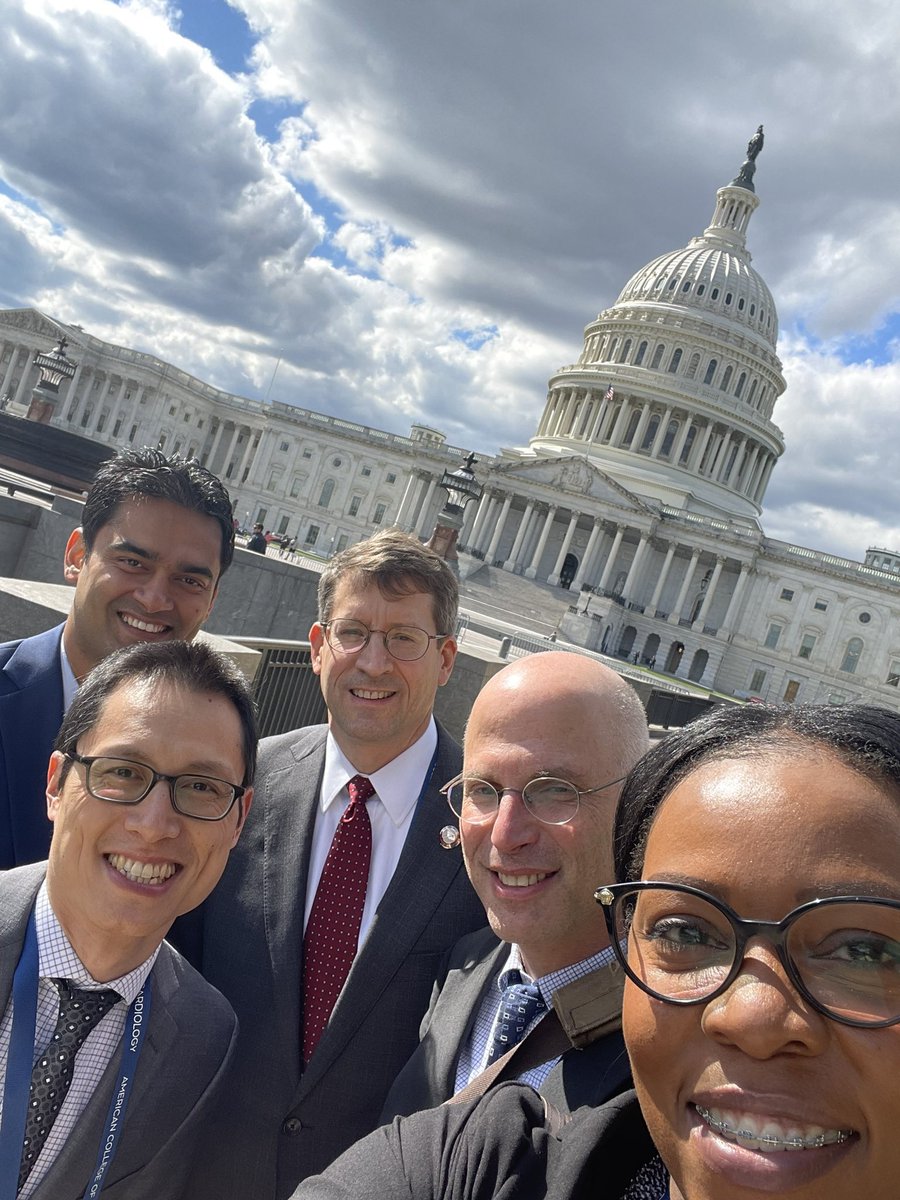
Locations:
{"points": [[20, 1063]]}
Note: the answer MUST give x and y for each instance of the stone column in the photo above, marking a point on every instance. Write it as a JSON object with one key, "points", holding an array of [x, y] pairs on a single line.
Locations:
{"points": [[498, 530], [611, 558], [426, 504], [7, 375], [484, 504], [406, 502], [113, 409], [588, 558], [23, 381], [749, 468], [631, 577], [226, 458], [675, 614], [683, 432], [621, 424], [721, 458], [247, 459], [519, 540], [710, 592], [641, 427], [214, 448], [661, 432], [470, 512], [553, 577], [699, 449], [532, 570], [731, 613], [661, 579]]}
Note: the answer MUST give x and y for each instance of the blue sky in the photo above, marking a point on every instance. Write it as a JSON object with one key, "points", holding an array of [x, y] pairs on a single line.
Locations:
{"points": [[417, 207]]}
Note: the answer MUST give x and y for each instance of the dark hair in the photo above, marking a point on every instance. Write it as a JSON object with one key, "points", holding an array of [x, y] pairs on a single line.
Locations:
{"points": [[863, 736], [193, 666], [150, 473], [398, 564]]}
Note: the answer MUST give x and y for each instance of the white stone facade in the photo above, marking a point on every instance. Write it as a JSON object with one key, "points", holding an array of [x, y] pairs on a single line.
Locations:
{"points": [[641, 489]]}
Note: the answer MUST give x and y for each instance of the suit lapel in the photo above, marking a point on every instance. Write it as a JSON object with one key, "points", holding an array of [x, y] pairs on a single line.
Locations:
{"points": [[424, 874], [452, 1022]]}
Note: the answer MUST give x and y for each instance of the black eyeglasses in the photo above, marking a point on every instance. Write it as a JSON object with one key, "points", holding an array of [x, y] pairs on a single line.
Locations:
{"points": [[553, 801], [842, 954], [404, 642], [121, 781]]}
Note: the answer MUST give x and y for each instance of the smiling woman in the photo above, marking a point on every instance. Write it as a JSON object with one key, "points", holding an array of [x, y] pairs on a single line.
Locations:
{"points": [[757, 915]]}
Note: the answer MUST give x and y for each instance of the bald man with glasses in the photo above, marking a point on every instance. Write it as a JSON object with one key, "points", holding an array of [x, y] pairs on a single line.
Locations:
{"points": [[548, 743]]}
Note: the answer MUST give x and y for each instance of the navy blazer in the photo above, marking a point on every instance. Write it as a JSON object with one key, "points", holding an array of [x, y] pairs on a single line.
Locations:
{"points": [[591, 1075], [183, 1067], [31, 712], [283, 1122]]}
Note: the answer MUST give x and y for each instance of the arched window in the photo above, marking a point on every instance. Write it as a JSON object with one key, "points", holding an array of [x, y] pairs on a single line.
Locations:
{"points": [[688, 444], [675, 362], [652, 426], [701, 288], [626, 350], [632, 426], [851, 655], [641, 351], [657, 356], [612, 348], [740, 384], [752, 391], [726, 379], [693, 366], [666, 448], [710, 370], [327, 493]]}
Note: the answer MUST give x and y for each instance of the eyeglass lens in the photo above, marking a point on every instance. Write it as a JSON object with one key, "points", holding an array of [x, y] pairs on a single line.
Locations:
{"points": [[125, 782], [847, 955], [553, 801], [405, 642]]}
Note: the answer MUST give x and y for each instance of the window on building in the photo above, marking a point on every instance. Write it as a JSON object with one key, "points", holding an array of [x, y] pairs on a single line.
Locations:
{"points": [[133, 433], [657, 356], [282, 525], [171, 410], [307, 453], [774, 633], [714, 294], [378, 515], [893, 675], [626, 350], [791, 691], [693, 365], [726, 379], [296, 484], [160, 445], [666, 448], [821, 606], [728, 297], [366, 472], [652, 426], [312, 535], [641, 351], [675, 362], [865, 618], [850, 660], [336, 462], [787, 594], [326, 493], [284, 446], [807, 644], [742, 379], [355, 502], [274, 479], [261, 515], [710, 370], [341, 543], [741, 304], [688, 444], [117, 427], [390, 477], [200, 423], [758, 680]]}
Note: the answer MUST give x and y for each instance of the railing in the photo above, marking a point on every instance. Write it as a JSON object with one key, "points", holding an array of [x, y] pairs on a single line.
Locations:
{"points": [[287, 692]]}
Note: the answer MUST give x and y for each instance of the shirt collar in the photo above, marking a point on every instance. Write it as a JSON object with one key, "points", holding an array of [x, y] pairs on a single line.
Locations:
{"points": [[548, 984], [69, 682], [57, 959], [398, 783]]}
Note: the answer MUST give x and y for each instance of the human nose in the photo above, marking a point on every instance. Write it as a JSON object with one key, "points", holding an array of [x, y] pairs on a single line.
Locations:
{"points": [[153, 593], [761, 1012], [154, 818], [514, 826], [374, 657]]}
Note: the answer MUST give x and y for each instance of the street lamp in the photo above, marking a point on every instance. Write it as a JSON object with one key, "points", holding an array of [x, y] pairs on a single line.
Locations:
{"points": [[55, 367], [461, 486]]}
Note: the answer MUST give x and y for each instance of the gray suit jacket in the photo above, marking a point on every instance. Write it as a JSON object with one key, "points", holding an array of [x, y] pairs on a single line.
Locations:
{"points": [[587, 1076], [191, 1039], [284, 1123]]}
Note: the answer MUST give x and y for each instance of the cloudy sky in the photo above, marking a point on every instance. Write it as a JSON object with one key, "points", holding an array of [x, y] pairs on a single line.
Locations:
{"points": [[398, 210]]}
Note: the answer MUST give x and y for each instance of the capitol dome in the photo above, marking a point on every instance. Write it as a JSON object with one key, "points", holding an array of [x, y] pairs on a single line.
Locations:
{"points": [[674, 391]]}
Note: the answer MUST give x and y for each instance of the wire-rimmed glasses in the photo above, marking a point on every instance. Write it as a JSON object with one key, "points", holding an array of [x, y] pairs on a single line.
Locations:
{"points": [[404, 642], [553, 801], [683, 946], [123, 781]]}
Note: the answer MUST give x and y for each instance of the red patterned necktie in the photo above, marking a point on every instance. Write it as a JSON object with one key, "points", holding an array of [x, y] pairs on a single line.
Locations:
{"points": [[332, 931]]}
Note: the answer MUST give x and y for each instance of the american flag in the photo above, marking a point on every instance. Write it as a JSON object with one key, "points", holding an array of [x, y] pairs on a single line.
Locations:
{"points": [[609, 393]]}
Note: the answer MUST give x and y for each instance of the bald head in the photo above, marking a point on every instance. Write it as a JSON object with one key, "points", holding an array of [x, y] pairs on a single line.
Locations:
{"points": [[564, 717]]}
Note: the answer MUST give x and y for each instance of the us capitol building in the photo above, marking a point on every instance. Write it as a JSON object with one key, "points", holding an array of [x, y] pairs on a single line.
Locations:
{"points": [[643, 482]]}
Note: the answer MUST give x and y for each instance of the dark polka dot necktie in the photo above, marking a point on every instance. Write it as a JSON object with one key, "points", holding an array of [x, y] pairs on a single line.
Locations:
{"points": [[520, 1004], [332, 930], [80, 1012]]}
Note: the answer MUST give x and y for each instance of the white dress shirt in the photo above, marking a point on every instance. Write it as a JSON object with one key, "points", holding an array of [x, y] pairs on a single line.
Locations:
{"points": [[57, 960], [391, 810]]}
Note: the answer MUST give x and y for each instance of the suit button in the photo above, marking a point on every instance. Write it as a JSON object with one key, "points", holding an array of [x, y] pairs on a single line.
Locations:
{"points": [[292, 1125]]}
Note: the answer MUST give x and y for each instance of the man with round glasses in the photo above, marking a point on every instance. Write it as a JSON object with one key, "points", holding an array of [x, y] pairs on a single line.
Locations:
{"points": [[547, 745], [113, 1049], [340, 904]]}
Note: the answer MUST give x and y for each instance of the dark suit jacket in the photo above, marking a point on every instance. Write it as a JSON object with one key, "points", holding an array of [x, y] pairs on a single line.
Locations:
{"points": [[284, 1123], [191, 1038], [31, 712], [588, 1076]]}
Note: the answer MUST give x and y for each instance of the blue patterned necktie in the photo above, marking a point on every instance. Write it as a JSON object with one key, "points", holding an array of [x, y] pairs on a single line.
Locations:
{"points": [[520, 1004], [80, 1012]]}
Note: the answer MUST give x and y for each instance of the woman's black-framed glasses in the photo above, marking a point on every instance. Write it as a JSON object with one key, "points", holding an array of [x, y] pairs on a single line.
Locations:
{"points": [[553, 801], [122, 781], [683, 946], [404, 642]]}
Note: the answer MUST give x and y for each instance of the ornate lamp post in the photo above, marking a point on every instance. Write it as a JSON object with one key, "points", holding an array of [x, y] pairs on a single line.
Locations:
{"points": [[461, 486], [55, 367]]}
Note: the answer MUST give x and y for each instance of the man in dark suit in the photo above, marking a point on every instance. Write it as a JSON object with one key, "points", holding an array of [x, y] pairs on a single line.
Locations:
{"points": [[311, 1071], [114, 1049], [155, 537], [548, 743]]}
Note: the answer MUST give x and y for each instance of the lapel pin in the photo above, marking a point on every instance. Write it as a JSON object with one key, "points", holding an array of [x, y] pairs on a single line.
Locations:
{"points": [[449, 836]]}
